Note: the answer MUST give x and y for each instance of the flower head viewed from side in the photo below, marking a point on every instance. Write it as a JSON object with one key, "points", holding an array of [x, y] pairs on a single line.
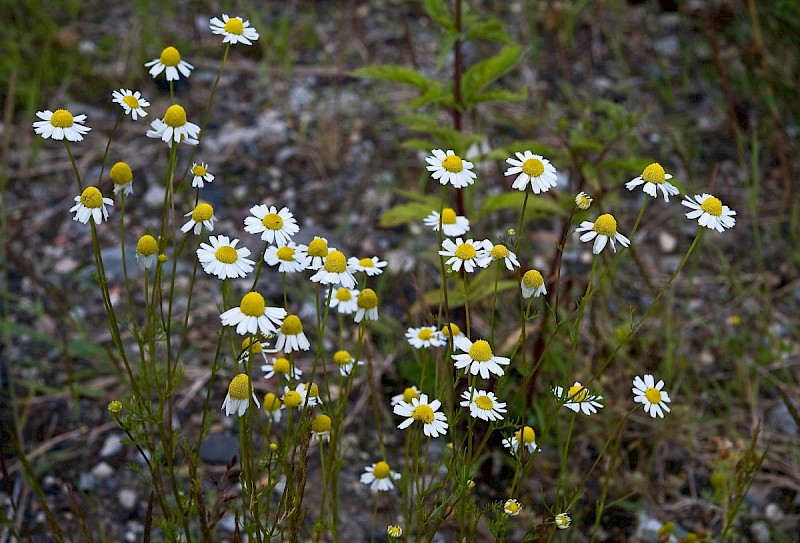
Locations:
{"points": [[122, 177], [335, 270], [434, 422], [174, 127], [380, 477], [291, 336], [371, 266], [562, 521], [345, 300], [91, 205], [452, 225], [579, 399], [234, 29], [201, 216], [709, 212], [583, 200], [483, 405], [408, 394], [525, 438], [501, 252], [533, 170], [394, 531], [252, 345], [274, 226], [321, 428], [467, 254], [170, 60], [272, 405], [253, 315], [449, 168], [367, 302], [131, 102], [146, 251], [654, 178], [532, 284], [512, 507], [603, 230], [281, 366], [650, 394], [223, 259], [200, 175], [422, 338], [346, 362], [290, 258], [60, 124], [239, 393], [478, 358], [300, 396], [317, 250]]}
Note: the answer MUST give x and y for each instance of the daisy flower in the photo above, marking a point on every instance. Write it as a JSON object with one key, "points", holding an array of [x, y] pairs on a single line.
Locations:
{"points": [[122, 176], [603, 230], [710, 212], [562, 521], [532, 284], [501, 252], [367, 302], [452, 225], [578, 398], [534, 170], [346, 362], [483, 405], [450, 168], [299, 396], [451, 329], [251, 345], [394, 531], [468, 254], [418, 409], [650, 394], [200, 175], [370, 266], [345, 300], [512, 507], [583, 200], [234, 29], [317, 250], [174, 127], [523, 438], [272, 405], [253, 315], [478, 358], [335, 270], [291, 336], [223, 259], [424, 337], [289, 258], [170, 60], [146, 251], [654, 178], [321, 428], [91, 205], [273, 225], [408, 394], [281, 366], [202, 215], [239, 393], [60, 124], [380, 477], [132, 102]]}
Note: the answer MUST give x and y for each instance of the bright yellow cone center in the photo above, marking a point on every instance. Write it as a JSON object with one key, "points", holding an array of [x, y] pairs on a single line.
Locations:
{"points": [[367, 299], [239, 389], [577, 394], [712, 206], [281, 365], [92, 197], [423, 413], [175, 116], [466, 251], [526, 435], [131, 100], [318, 247], [292, 399], [271, 402], [480, 351], [321, 424], [512, 507], [654, 173], [335, 262], [425, 334], [61, 118], [448, 216], [253, 304], [251, 346], [532, 279], [226, 254], [453, 164], [202, 212], [484, 402], [381, 470], [273, 221], [499, 251], [366, 263], [147, 245], [313, 390], [121, 173], [199, 170], [409, 394], [170, 56], [291, 326], [342, 358], [285, 253], [234, 26], [343, 294], [605, 225], [533, 167], [653, 395], [448, 328]]}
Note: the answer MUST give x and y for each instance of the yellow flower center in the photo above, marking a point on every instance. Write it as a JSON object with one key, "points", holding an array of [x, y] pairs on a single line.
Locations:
{"points": [[170, 56], [239, 389], [175, 116], [226, 254], [115, 406], [253, 304], [532, 279], [342, 358], [577, 393], [251, 346], [285, 253], [199, 170], [162, 258], [271, 402], [335, 262], [61, 119], [291, 326], [605, 225], [318, 247], [313, 391], [131, 101], [499, 251], [92, 197], [321, 424], [453, 164], [448, 216], [654, 173], [381, 470], [292, 399], [583, 201], [484, 402], [234, 26], [512, 507], [394, 531], [281, 365], [366, 263], [343, 294], [273, 221], [712, 206], [480, 351], [202, 212], [533, 167], [409, 394], [425, 334], [147, 245], [121, 173], [466, 251], [367, 299], [526, 435], [448, 328], [653, 395], [423, 413]]}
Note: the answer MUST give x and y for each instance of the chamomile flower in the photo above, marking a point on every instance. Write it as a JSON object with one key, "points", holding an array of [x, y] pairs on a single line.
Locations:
{"points": [[367, 302], [346, 362], [710, 212], [317, 251], [299, 397], [533, 170], [532, 284], [380, 477], [321, 428], [60, 124], [201, 216], [434, 422], [345, 300], [654, 178], [272, 405], [122, 177], [478, 358], [234, 29], [524, 438], [452, 225], [512, 507], [251, 345], [450, 168], [583, 200], [290, 258], [501, 252], [174, 127], [408, 394], [469, 254], [253, 316], [91, 205], [603, 230], [146, 251], [200, 175], [562, 521], [223, 259], [239, 393], [483, 405], [281, 366], [578, 398], [274, 226], [170, 60], [650, 394], [394, 531], [291, 336], [371, 266], [424, 337], [132, 102], [335, 270], [451, 329]]}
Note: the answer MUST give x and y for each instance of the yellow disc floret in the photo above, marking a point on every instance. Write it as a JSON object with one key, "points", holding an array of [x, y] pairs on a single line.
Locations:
{"points": [[91, 197], [381, 470], [423, 413], [453, 164], [62, 119], [654, 173], [448, 216], [202, 212], [282, 365], [343, 294], [466, 251], [251, 346], [342, 358], [366, 263], [234, 26], [532, 279], [480, 351], [533, 167], [253, 304], [271, 402], [367, 299], [447, 329], [526, 435], [170, 56], [425, 334], [131, 101], [577, 393], [653, 395], [272, 221], [147, 245], [285, 253], [292, 399], [409, 394], [239, 389], [121, 173], [291, 326], [499, 251], [484, 403], [712, 206], [318, 247], [335, 262], [321, 424], [605, 225], [226, 254], [199, 170], [313, 390], [175, 116]]}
